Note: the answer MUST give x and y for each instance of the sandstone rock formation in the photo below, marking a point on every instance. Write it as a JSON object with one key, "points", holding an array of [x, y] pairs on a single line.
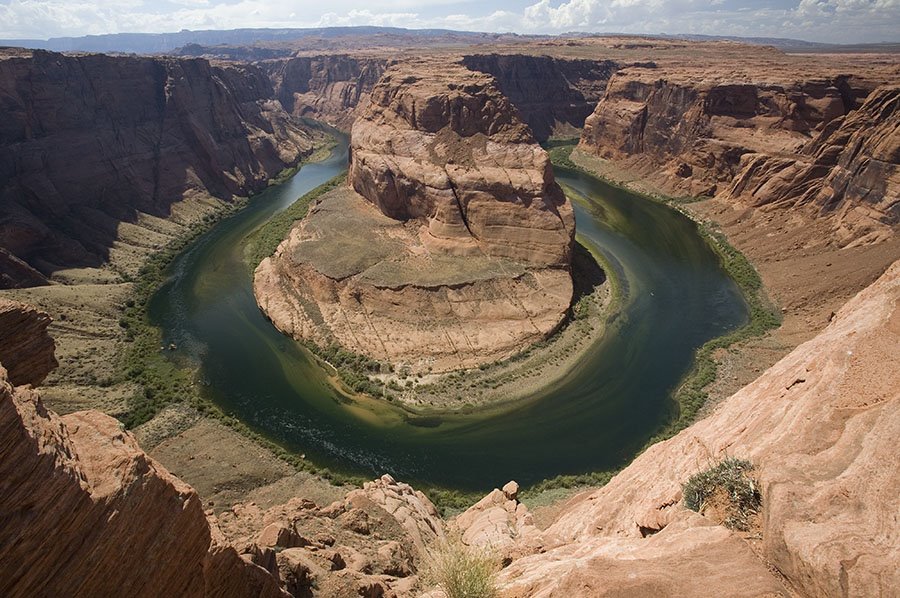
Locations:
{"points": [[334, 88], [795, 140], [87, 513], [820, 426], [368, 543], [499, 522], [26, 350], [461, 255], [553, 95], [89, 141], [851, 169]]}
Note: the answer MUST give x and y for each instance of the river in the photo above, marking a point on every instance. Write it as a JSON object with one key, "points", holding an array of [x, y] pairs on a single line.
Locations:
{"points": [[675, 297]]}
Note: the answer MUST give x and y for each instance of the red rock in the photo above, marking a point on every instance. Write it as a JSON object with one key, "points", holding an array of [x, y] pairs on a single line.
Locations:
{"points": [[88, 513], [463, 256], [26, 349]]}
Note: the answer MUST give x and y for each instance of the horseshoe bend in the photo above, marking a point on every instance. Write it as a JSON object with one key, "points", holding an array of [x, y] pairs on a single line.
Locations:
{"points": [[283, 312], [451, 244]]}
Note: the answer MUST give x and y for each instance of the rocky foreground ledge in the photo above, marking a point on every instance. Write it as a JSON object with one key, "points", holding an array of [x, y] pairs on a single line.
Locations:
{"points": [[453, 243]]}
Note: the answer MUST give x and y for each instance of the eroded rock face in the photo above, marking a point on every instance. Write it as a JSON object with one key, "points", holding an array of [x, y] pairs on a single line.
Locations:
{"points": [[820, 427], [334, 88], [850, 170], [88, 513], [26, 350], [89, 141], [451, 249], [442, 144], [809, 141], [553, 95]]}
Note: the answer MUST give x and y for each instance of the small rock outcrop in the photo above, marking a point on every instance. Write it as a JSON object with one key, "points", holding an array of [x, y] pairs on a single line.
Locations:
{"points": [[499, 522], [452, 246], [90, 141], [26, 349], [369, 541]]}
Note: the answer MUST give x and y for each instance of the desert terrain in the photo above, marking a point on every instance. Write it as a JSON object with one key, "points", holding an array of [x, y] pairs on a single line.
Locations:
{"points": [[794, 158]]}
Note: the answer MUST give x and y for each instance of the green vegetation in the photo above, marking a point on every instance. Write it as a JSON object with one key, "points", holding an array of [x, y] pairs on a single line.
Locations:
{"points": [[560, 152], [730, 484], [462, 571], [159, 380], [265, 240]]}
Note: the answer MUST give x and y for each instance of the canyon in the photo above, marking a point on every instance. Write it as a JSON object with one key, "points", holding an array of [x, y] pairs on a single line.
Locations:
{"points": [[451, 210], [825, 526]]}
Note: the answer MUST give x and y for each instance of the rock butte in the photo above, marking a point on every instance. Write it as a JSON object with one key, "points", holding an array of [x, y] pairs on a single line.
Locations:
{"points": [[453, 244]]}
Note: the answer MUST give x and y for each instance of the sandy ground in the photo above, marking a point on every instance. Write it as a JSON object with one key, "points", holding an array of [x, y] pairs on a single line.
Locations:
{"points": [[225, 468]]}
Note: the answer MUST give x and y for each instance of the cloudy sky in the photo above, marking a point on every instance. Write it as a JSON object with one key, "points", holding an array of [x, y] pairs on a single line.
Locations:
{"points": [[843, 21]]}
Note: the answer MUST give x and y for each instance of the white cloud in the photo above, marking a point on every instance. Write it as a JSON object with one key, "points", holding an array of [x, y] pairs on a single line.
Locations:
{"points": [[822, 20]]}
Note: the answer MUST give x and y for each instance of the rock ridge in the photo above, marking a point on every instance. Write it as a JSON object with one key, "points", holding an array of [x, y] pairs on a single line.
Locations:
{"points": [[823, 143]]}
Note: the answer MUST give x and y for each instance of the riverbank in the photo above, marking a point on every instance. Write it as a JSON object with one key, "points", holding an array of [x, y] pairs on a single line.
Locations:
{"points": [[692, 395], [805, 275], [93, 316]]}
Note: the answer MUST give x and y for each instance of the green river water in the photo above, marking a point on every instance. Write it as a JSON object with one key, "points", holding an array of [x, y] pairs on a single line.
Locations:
{"points": [[675, 297]]}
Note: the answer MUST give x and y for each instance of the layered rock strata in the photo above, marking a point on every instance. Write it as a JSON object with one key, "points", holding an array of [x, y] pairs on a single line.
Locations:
{"points": [[826, 143], [334, 88], [88, 513], [26, 349], [820, 427], [850, 171], [553, 95], [89, 141], [452, 246]]}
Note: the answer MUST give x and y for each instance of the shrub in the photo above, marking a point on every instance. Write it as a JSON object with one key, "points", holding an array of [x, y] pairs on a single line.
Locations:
{"points": [[730, 479], [462, 571]]}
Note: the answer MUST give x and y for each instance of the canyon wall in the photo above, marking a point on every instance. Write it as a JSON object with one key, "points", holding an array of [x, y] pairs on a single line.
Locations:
{"points": [[703, 133], [89, 141], [87, 513], [333, 88], [553, 95], [850, 171], [455, 239]]}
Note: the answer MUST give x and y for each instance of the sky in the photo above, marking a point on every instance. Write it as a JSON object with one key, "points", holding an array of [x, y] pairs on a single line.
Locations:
{"points": [[837, 21]]}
